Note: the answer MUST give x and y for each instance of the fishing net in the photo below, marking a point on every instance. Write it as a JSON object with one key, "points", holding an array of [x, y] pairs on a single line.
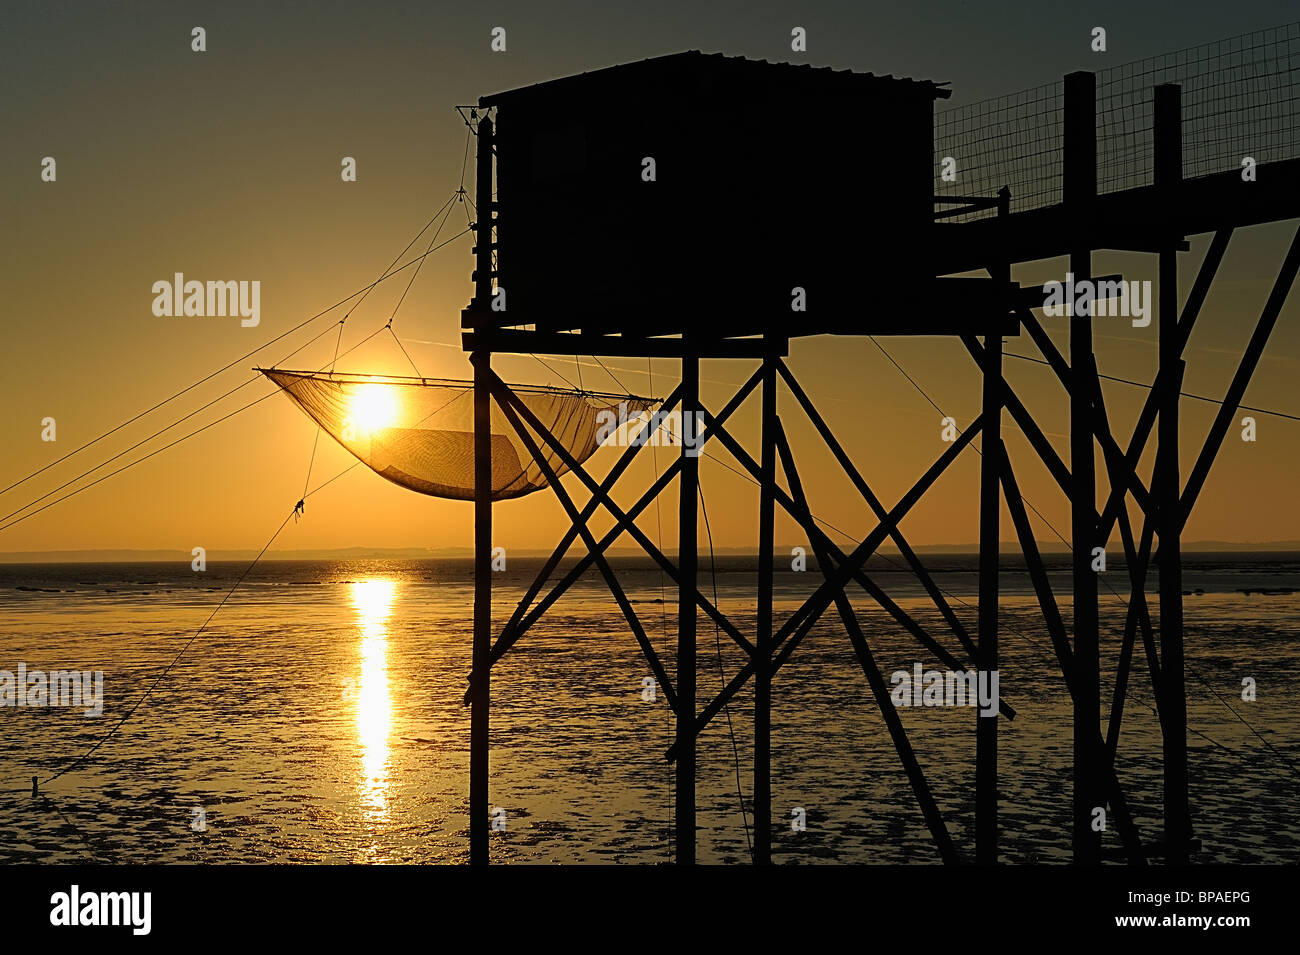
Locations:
{"points": [[419, 432]]}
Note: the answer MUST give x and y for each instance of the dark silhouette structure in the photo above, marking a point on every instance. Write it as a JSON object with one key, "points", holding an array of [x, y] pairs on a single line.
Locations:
{"points": [[699, 206]]}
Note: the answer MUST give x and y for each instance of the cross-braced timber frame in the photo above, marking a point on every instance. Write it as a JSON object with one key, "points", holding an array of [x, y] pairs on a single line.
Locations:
{"points": [[1155, 219]]}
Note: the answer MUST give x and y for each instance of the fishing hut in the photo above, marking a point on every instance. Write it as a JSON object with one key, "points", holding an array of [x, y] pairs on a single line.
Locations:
{"points": [[699, 206]]}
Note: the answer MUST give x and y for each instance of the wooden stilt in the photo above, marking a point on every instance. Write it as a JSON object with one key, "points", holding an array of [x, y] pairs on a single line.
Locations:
{"points": [[1168, 155], [1079, 190], [986, 726], [480, 677], [1064, 654], [686, 594], [481, 672], [763, 625]]}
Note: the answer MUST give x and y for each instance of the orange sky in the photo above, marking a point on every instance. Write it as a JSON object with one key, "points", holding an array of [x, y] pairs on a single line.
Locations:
{"points": [[226, 166]]}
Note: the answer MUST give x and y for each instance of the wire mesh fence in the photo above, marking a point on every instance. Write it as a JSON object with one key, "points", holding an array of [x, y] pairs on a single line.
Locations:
{"points": [[1240, 98]]}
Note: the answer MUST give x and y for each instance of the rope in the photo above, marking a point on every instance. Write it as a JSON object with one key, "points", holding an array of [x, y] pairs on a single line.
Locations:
{"points": [[362, 292], [722, 674], [160, 431], [84, 487], [615, 380], [316, 437], [389, 326], [212, 615], [556, 373], [415, 275], [82, 758], [5, 526], [1185, 394]]}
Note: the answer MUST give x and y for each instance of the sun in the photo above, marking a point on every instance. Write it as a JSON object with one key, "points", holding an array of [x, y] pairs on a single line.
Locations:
{"points": [[373, 407]]}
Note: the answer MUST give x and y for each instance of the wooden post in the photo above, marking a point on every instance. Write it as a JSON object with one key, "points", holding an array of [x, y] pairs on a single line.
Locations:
{"points": [[986, 727], [1171, 693], [480, 688], [686, 585], [1079, 190], [763, 624]]}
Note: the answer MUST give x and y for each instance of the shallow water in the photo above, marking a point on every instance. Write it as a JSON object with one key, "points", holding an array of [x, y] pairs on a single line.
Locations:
{"points": [[318, 718]]}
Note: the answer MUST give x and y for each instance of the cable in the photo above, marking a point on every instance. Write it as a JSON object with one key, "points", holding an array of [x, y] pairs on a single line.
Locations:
{"points": [[554, 372], [160, 431], [614, 379], [362, 291], [717, 637], [82, 758], [1292, 766], [316, 437], [146, 457], [5, 526], [389, 326], [1185, 394], [416, 273]]}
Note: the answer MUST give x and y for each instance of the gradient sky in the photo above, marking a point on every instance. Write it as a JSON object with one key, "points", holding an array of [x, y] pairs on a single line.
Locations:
{"points": [[225, 165]]}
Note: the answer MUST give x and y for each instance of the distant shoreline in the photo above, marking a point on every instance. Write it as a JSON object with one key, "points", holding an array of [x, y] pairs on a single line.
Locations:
{"points": [[463, 553]]}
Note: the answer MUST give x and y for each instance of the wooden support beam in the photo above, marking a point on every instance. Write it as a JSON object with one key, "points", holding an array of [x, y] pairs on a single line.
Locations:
{"points": [[734, 685], [1060, 643], [1025, 421], [1137, 574], [888, 710], [801, 620], [1241, 378], [688, 486], [1135, 561], [1079, 193], [1168, 163], [763, 623], [990, 511], [822, 596], [646, 432], [521, 341], [878, 508], [507, 401], [1147, 417], [1124, 477], [480, 677], [624, 522], [512, 636], [866, 583], [1127, 219]]}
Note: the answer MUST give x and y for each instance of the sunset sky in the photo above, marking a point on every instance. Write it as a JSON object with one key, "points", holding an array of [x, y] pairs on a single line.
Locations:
{"points": [[225, 165]]}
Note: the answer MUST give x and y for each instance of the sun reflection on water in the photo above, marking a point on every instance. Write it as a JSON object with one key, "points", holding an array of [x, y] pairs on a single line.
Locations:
{"points": [[373, 602]]}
